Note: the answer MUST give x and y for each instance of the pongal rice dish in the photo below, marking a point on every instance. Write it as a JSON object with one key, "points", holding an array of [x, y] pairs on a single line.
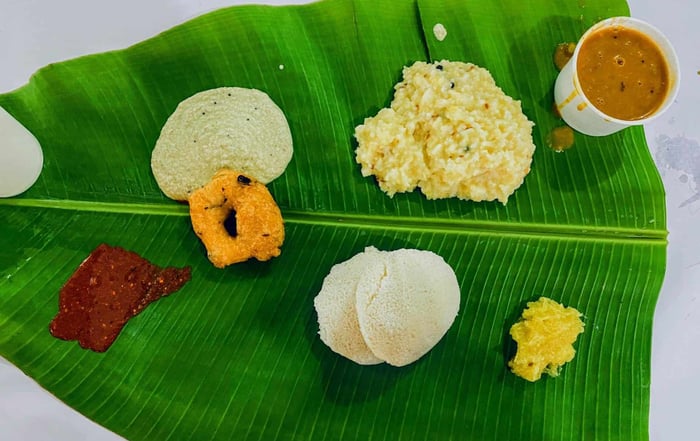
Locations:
{"points": [[450, 131]]}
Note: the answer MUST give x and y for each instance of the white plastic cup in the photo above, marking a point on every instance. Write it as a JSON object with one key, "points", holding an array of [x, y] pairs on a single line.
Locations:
{"points": [[21, 157], [577, 110]]}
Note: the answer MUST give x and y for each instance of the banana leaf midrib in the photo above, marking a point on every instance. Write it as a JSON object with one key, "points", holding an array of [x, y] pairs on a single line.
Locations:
{"points": [[460, 226]]}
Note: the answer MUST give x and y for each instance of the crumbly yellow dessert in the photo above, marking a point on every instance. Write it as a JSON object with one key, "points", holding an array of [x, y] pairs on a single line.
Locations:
{"points": [[452, 132], [545, 337]]}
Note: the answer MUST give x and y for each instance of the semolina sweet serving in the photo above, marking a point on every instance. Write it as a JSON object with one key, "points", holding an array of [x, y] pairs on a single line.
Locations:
{"points": [[545, 336], [450, 131]]}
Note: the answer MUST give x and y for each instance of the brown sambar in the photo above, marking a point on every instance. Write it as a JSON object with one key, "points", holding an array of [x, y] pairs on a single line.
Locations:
{"points": [[623, 73]]}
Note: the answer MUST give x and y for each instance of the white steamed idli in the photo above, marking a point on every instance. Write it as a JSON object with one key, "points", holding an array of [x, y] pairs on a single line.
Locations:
{"points": [[411, 309], [228, 127], [335, 305], [387, 306]]}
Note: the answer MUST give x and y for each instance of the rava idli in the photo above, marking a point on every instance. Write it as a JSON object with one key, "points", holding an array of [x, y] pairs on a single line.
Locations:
{"points": [[387, 306], [227, 127]]}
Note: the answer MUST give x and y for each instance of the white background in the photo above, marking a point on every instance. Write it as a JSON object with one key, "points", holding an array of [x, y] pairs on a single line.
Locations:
{"points": [[34, 33]]}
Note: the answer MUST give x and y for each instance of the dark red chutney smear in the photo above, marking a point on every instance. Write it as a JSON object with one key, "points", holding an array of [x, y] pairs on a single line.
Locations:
{"points": [[108, 288]]}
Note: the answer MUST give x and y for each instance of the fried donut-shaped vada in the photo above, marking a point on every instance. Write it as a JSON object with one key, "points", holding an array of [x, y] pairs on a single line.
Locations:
{"points": [[237, 219]]}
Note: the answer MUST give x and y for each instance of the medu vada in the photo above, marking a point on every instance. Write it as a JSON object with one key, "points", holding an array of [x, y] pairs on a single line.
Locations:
{"points": [[237, 219]]}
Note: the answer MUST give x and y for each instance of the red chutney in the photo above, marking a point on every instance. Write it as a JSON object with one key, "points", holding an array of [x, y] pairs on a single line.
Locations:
{"points": [[108, 288]]}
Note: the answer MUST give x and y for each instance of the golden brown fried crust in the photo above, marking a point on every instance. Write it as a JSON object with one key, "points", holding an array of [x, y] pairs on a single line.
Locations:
{"points": [[259, 224]]}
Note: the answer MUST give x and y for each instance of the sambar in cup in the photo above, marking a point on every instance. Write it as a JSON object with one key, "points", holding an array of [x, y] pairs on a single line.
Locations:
{"points": [[623, 72]]}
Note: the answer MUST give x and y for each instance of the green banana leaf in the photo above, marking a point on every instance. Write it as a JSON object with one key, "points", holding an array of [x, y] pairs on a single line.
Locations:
{"points": [[235, 354]]}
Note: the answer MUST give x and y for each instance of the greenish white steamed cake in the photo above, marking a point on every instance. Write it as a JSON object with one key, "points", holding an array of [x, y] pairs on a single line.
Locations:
{"points": [[228, 127]]}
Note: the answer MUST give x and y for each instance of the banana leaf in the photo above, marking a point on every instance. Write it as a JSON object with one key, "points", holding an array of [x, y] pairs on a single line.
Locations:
{"points": [[235, 354]]}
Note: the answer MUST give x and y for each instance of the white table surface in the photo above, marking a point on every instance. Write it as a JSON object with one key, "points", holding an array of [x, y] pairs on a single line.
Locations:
{"points": [[34, 33]]}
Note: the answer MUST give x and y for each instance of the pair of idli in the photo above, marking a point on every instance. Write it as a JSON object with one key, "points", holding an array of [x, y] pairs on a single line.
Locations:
{"points": [[387, 306]]}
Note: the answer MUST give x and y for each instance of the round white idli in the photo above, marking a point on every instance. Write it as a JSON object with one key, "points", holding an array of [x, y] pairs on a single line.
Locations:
{"points": [[228, 127], [335, 305], [411, 308]]}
